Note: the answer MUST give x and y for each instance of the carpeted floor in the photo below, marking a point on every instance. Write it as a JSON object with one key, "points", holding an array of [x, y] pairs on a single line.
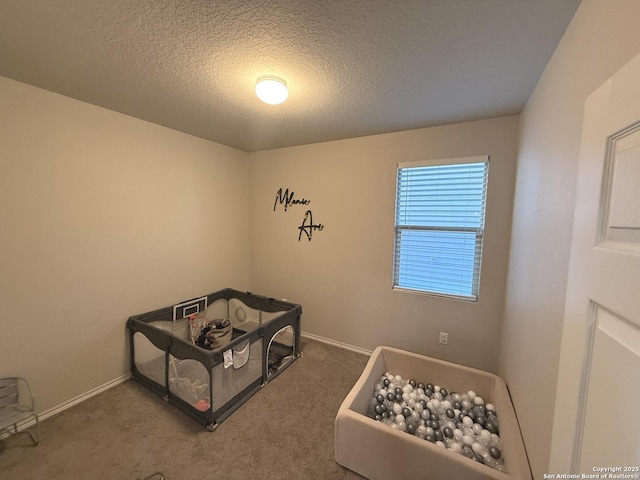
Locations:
{"points": [[285, 431]]}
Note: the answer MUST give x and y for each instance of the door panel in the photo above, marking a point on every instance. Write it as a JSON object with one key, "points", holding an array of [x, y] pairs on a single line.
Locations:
{"points": [[596, 418], [621, 191], [611, 416]]}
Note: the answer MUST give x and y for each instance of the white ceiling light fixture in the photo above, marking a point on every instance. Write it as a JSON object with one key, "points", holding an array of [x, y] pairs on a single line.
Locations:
{"points": [[272, 90]]}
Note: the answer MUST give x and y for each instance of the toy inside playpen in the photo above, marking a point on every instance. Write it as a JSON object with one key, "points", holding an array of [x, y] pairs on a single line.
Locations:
{"points": [[207, 356]]}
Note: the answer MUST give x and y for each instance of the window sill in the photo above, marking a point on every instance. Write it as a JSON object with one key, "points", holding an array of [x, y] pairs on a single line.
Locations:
{"points": [[463, 298]]}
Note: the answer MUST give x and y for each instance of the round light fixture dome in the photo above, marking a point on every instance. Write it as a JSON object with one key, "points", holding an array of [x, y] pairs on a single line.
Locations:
{"points": [[272, 90]]}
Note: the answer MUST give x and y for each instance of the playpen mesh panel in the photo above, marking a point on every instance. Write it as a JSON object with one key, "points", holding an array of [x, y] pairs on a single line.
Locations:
{"points": [[189, 380], [280, 350], [149, 359], [217, 309], [230, 381], [179, 328], [246, 318]]}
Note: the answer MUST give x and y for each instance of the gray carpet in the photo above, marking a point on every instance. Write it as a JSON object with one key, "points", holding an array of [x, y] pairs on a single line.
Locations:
{"points": [[285, 431]]}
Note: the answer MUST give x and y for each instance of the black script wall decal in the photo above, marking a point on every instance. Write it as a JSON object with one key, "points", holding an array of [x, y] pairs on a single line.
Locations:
{"points": [[307, 226], [285, 198]]}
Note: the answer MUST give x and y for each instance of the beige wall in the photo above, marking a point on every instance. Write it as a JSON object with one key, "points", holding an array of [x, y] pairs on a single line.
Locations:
{"points": [[97, 210], [104, 216], [342, 277], [602, 37]]}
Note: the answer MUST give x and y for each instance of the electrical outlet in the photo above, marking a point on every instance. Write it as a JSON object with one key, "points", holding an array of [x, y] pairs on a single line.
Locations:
{"points": [[444, 338]]}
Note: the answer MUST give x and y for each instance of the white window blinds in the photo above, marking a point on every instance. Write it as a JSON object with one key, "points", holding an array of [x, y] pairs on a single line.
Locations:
{"points": [[439, 226]]}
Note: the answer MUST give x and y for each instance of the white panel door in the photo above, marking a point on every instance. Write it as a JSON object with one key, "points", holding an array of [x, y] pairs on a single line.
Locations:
{"points": [[597, 416]]}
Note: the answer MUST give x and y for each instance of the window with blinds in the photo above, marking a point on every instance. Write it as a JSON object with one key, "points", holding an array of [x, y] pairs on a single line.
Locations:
{"points": [[439, 226]]}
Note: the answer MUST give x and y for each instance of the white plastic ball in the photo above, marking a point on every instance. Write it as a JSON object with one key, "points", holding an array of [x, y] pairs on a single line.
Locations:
{"points": [[490, 461], [464, 433], [468, 440], [455, 448], [478, 448]]}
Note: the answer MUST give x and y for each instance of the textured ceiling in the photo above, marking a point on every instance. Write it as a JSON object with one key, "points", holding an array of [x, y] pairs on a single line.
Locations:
{"points": [[354, 67]]}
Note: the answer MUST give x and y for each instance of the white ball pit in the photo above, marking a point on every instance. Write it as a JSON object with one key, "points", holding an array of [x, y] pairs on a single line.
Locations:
{"points": [[376, 451]]}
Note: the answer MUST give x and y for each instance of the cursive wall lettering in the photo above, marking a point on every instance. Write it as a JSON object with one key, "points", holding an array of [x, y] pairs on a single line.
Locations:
{"points": [[307, 226], [285, 198]]}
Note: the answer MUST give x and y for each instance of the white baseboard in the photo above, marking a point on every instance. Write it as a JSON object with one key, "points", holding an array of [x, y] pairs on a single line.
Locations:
{"points": [[335, 343], [85, 396], [70, 403], [92, 393]]}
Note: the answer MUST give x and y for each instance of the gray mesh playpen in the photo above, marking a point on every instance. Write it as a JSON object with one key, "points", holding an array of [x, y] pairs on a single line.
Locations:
{"points": [[206, 384]]}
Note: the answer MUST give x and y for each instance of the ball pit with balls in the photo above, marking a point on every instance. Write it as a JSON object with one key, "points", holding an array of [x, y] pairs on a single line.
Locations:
{"points": [[458, 421]]}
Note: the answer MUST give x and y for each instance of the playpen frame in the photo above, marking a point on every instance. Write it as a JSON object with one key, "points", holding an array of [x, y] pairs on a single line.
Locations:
{"points": [[172, 345]]}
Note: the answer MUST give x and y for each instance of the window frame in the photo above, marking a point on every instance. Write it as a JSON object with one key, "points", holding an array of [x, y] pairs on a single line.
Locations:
{"points": [[479, 231]]}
